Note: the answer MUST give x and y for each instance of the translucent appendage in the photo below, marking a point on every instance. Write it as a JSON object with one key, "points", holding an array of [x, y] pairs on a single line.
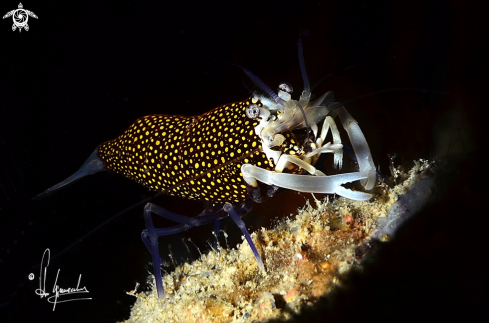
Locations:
{"points": [[91, 166], [310, 184]]}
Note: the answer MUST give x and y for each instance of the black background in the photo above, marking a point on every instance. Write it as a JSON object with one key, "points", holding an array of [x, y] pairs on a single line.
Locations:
{"points": [[84, 71]]}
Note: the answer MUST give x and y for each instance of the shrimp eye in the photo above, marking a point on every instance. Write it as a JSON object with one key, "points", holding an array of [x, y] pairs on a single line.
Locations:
{"points": [[285, 87], [252, 111]]}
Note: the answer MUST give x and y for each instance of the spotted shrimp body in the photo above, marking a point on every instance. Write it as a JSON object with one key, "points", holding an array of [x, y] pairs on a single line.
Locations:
{"points": [[198, 158], [233, 154]]}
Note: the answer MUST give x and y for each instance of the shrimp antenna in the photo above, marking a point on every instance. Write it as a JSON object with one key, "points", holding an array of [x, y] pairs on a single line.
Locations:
{"points": [[270, 92], [260, 84], [302, 64], [307, 87]]}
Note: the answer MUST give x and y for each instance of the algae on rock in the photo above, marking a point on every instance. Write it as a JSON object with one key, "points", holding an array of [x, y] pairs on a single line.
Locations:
{"points": [[305, 258]]}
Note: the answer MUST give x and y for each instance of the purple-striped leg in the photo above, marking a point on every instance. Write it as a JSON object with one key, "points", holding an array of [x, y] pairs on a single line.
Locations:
{"points": [[241, 225], [151, 234]]}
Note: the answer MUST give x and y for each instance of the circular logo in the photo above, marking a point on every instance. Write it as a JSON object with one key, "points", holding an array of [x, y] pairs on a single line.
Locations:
{"points": [[20, 17]]}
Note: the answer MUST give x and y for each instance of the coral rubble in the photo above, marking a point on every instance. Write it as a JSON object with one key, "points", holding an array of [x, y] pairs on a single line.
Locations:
{"points": [[305, 258]]}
